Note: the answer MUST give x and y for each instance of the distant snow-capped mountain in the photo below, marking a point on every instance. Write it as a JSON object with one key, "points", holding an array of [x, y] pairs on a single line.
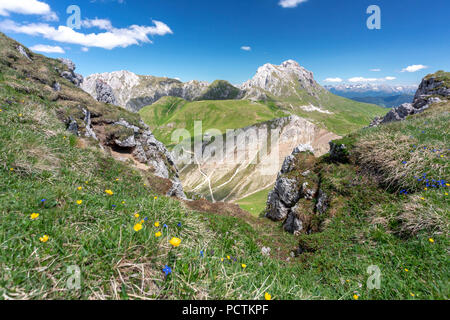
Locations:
{"points": [[370, 90]]}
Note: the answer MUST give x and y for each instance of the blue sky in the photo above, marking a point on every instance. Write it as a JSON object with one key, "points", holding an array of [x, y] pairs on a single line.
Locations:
{"points": [[203, 39]]}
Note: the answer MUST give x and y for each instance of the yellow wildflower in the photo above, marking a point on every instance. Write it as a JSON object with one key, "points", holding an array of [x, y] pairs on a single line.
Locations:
{"points": [[157, 224], [228, 257], [123, 202], [117, 179], [267, 296], [158, 234], [34, 216], [1, 110], [136, 215], [155, 198], [79, 201], [425, 189], [86, 182], [109, 192], [446, 194], [412, 294], [11, 169], [20, 114], [355, 296], [79, 188], [406, 270], [431, 240], [244, 266], [137, 227], [221, 259], [175, 241], [44, 238], [422, 198], [142, 221]]}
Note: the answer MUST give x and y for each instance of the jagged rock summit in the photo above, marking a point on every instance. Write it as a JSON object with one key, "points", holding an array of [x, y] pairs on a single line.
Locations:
{"points": [[283, 81]]}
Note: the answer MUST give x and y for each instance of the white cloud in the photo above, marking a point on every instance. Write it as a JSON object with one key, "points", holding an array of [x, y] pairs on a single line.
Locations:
{"points": [[375, 70], [116, 37], [47, 48], [362, 79], [290, 3], [103, 24], [246, 48], [414, 68], [333, 80], [27, 7], [84, 49]]}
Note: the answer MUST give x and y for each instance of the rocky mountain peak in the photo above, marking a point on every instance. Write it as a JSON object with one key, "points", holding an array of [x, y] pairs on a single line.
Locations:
{"points": [[283, 80]]}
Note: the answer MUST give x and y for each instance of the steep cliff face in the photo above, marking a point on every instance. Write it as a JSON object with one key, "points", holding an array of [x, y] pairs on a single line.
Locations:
{"points": [[434, 88], [133, 92], [228, 172], [115, 131]]}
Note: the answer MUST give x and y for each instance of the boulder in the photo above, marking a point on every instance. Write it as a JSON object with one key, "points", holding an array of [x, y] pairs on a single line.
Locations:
{"points": [[276, 209], [75, 78], [338, 152], [322, 202], [293, 224], [104, 92], [288, 191]]}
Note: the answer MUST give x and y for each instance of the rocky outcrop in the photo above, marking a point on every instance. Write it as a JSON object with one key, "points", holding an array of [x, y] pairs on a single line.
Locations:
{"points": [[431, 90], [104, 92], [69, 73], [338, 152], [23, 52], [297, 196]]}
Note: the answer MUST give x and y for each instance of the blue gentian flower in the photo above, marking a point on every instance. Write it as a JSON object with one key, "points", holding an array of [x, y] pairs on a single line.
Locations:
{"points": [[201, 253], [167, 270]]}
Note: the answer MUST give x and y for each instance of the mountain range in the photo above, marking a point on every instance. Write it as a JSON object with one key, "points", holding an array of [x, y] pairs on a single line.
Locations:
{"points": [[380, 94]]}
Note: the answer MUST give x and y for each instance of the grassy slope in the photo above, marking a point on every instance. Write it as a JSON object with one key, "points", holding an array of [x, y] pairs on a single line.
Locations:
{"points": [[170, 113], [348, 115], [375, 222], [255, 203]]}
